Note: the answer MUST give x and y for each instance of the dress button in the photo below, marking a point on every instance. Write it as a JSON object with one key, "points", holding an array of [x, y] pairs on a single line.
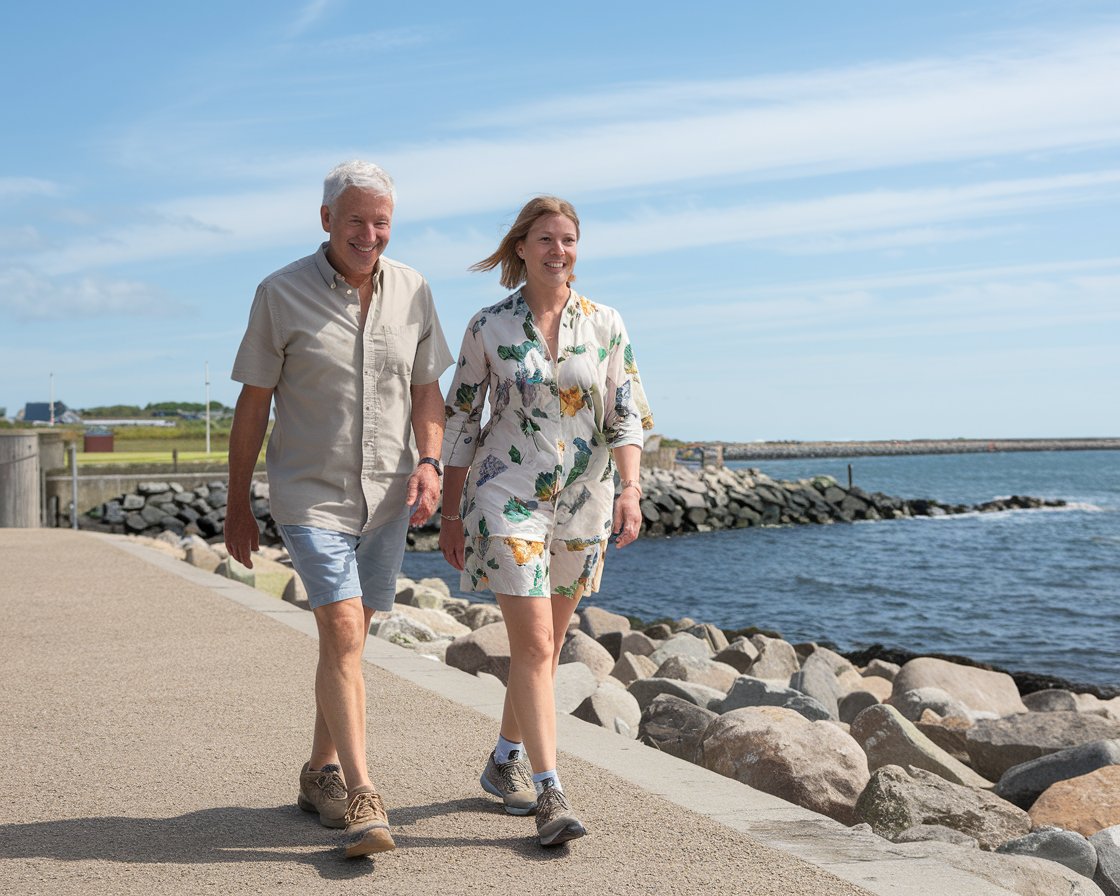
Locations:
{"points": [[349, 292]]}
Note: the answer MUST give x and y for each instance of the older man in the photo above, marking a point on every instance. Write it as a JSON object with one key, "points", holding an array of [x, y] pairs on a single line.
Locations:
{"points": [[348, 344]]}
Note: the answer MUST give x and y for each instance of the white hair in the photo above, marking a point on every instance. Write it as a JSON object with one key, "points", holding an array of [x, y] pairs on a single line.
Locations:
{"points": [[356, 173]]}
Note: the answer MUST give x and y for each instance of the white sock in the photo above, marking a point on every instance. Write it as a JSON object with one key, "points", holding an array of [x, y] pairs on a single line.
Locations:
{"points": [[550, 777], [504, 749]]}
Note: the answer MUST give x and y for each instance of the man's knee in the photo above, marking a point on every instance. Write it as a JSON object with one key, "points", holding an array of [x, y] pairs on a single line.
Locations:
{"points": [[343, 626]]}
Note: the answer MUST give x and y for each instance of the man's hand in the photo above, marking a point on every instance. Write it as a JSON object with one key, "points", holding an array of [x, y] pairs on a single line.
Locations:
{"points": [[241, 531], [423, 493]]}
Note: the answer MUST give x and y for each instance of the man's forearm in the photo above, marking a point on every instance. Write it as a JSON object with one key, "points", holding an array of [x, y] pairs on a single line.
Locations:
{"points": [[428, 419], [250, 423]]}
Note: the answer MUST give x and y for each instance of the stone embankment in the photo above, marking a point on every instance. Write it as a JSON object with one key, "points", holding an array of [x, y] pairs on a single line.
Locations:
{"points": [[793, 450], [942, 759], [673, 502]]}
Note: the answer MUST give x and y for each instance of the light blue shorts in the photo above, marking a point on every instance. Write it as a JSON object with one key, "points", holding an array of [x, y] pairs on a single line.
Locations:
{"points": [[337, 566]]}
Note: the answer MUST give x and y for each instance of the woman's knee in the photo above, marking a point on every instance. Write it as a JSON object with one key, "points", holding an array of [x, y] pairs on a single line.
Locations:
{"points": [[535, 646]]}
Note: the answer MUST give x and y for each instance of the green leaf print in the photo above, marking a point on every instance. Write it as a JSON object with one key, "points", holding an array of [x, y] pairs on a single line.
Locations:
{"points": [[628, 360], [465, 396], [483, 529], [602, 355], [538, 583], [529, 331], [542, 414], [514, 352], [514, 454], [516, 510], [528, 425], [583, 456], [492, 563], [546, 486]]}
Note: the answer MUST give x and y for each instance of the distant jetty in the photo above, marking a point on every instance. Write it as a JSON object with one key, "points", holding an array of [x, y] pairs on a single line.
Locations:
{"points": [[791, 450]]}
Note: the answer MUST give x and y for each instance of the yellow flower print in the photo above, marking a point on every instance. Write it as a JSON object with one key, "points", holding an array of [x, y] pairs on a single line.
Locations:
{"points": [[571, 401], [587, 307], [523, 551]]}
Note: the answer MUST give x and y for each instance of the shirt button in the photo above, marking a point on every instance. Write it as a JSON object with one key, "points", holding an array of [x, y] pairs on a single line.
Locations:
{"points": [[349, 292]]}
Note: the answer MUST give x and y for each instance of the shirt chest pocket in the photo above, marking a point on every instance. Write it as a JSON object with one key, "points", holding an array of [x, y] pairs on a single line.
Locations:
{"points": [[392, 349]]}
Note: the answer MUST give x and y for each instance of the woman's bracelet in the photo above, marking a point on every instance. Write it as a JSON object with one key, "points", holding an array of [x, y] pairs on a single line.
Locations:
{"points": [[630, 483], [450, 519]]}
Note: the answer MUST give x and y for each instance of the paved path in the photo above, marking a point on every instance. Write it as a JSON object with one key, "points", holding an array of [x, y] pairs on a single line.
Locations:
{"points": [[154, 719]]}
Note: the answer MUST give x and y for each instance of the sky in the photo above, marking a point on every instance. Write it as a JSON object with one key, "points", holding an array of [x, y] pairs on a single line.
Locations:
{"points": [[819, 220]]}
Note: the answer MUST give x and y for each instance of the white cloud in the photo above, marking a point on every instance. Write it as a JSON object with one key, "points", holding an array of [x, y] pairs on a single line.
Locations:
{"points": [[26, 295], [16, 187]]}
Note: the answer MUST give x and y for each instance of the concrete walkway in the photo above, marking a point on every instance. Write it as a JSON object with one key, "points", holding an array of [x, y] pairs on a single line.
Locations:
{"points": [[154, 720]]}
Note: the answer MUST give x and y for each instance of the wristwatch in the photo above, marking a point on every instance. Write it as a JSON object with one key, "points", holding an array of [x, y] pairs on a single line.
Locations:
{"points": [[433, 461]]}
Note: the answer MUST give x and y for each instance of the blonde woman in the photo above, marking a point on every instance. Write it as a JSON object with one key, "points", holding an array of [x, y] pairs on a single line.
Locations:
{"points": [[529, 498]]}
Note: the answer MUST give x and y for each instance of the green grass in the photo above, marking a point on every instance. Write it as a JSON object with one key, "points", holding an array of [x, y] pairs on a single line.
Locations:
{"points": [[98, 458]]}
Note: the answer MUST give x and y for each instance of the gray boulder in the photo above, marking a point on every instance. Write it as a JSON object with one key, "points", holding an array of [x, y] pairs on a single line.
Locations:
{"points": [[1024, 783], [637, 643], [995, 745], [1064, 847], [698, 671], [1051, 700], [645, 690], [889, 739], [817, 679], [777, 660], [613, 708], [812, 764], [574, 684], [1107, 845], [740, 654], [681, 643], [485, 649], [713, 634], [630, 668], [675, 726], [478, 616], [582, 648], [748, 691], [981, 691], [913, 703], [595, 622], [854, 703], [896, 799]]}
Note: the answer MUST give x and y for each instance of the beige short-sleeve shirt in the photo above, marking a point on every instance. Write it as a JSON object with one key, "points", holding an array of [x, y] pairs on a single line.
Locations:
{"points": [[342, 447]]}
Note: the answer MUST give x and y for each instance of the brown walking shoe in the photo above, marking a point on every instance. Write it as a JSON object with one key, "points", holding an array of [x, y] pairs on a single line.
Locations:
{"points": [[555, 822], [367, 826], [511, 781], [323, 791]]}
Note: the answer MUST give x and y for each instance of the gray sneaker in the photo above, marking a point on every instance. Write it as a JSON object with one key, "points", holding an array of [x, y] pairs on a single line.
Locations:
{"points": [[323, 791], [555, 822], [511, 781], [367, 826]]}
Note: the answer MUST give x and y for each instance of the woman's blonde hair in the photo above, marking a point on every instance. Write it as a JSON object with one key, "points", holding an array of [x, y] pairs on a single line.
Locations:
{"points": [[513, 267]]}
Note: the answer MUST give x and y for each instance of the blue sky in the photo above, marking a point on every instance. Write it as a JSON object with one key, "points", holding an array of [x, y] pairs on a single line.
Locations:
{"points": [[819, 220]]}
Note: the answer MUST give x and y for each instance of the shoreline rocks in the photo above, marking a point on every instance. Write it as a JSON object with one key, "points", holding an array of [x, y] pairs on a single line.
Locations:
{"points": [[1029, 796]]}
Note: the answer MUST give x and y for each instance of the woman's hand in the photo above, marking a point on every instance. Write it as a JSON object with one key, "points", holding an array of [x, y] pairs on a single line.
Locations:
{"points": [[452, 541], [627, 517]]}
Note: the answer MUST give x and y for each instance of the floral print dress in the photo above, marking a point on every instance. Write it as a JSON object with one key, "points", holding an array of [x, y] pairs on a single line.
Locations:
{"points": [[541, 466]]}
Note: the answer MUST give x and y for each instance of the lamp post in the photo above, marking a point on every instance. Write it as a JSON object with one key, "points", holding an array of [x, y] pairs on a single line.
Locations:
{"points": [[207, 408]]}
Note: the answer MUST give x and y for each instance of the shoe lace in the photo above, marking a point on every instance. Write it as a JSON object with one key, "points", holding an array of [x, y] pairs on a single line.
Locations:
{"points": [[514, 777], [365, 806], [330, 782], [551, 802]]}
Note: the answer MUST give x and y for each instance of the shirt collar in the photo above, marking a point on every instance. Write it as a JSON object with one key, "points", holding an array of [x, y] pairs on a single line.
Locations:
{"points": [[333, 278]]}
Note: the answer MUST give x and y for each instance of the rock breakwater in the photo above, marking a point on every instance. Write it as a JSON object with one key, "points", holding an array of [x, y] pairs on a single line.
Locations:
{"points": [[673, 502]]}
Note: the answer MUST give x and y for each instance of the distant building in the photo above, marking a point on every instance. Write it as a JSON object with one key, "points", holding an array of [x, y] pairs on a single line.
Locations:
{"points": [[40, 412]]}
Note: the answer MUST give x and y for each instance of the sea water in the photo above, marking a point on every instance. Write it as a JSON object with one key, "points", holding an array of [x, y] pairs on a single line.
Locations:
{"points": [[1030, 590]]}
